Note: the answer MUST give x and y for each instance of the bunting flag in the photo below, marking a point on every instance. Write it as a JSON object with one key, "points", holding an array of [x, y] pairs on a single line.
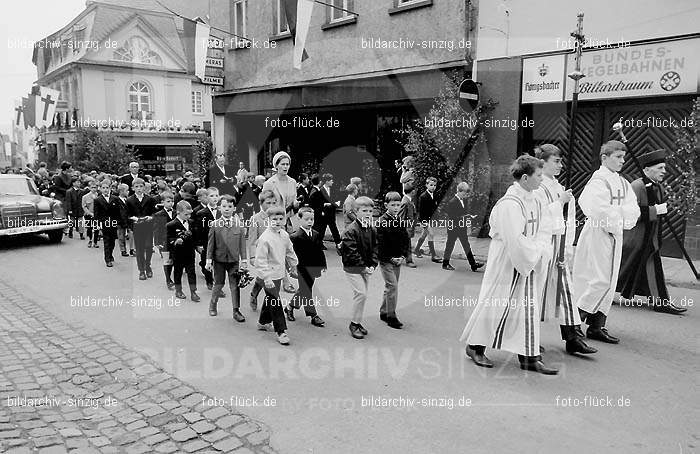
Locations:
{"points": [[298, 13], [28, 109], [45, 104], [18, 112], [197, 42]]}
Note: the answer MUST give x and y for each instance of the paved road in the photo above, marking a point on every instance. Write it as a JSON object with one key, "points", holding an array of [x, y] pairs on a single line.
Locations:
{"points": [[639, 396]]}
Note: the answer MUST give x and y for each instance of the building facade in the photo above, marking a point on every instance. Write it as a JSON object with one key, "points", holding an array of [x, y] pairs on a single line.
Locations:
{"points": [[127, 70], [371, 70]]}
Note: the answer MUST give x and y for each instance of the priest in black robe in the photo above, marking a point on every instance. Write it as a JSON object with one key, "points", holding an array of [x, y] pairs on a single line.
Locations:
{"points": [[641, 271]]}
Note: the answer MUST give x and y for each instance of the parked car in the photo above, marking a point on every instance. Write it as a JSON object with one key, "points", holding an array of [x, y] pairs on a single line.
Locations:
{"points": [[23, 210]]}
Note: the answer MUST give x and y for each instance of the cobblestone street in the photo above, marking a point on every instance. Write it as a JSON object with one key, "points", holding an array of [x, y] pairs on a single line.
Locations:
{"points": [[69, 388]]}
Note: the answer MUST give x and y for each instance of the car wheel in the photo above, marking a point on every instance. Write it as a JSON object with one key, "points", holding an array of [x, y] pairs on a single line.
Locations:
{"points": [[55, 236]]}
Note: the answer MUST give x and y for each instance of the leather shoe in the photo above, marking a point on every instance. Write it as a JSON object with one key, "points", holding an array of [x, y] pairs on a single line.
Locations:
{"points": [[179, 294], [290, 313], [125, 254], [383, 317], [142, 276], [579, 346], [355, 331], [448, 267], [110, 264], [669, 308], [362, 329], [394, 322], [317, 321], [418, 253], [479, 358], [476, 266], [538, 366], [212, 308], [602, 335], [194, 297], [436, 260], [410, 264], [170, 285], [237, 316], [149, 273]]}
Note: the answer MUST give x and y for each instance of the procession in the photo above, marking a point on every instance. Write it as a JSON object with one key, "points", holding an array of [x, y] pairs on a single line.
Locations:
{"points": [[371, 259]]}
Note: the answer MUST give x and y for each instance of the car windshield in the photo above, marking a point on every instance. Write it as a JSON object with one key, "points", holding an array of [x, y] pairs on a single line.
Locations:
{"points": [[17, 186]]}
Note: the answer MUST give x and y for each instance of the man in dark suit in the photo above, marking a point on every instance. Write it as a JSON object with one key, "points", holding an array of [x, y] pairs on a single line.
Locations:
{"points": [[426, 208], [221, 176], [140, 208], [203, 219], [307, 245], [181, 245], [304, 190], [324, 209], [458, 223], [247, 204], [129, 178], [107, 214]]}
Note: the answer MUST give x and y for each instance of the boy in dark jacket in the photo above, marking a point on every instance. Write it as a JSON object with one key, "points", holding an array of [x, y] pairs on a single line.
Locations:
{"points": [[160, 220], [140, 208], [74, 207], [358, 248], [394, 247], [312, 263], [181, 249]]}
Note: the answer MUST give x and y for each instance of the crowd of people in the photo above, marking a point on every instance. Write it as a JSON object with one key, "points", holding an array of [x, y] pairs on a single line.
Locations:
{"points": [[240, 225]]}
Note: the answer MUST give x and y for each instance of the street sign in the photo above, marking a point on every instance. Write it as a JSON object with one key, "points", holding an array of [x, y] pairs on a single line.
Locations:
{"points": [[214, 62], [468, 95], [211, 80]]}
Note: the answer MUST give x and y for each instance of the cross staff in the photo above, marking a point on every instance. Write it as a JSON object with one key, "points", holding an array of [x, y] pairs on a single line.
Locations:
{"points": [[19, 111], [47, 102]]}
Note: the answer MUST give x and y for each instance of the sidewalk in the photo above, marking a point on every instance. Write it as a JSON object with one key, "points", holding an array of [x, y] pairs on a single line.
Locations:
{"points": [[69, 387]]}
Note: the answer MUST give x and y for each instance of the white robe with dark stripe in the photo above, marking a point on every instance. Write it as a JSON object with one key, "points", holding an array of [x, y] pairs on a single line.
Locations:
{"points": [[556, 296], [507, 314], [610, 206]]}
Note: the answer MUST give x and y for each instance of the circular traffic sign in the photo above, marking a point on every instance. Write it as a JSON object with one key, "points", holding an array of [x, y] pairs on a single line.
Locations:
{"points": [[468, 95]]}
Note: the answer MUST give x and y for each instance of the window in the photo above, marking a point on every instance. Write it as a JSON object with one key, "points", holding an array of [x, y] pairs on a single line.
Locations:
{"points": [[279, 19], [197, 101], [140, 101], [239, 22], [337, 15], [406, 5], [137, 50]]}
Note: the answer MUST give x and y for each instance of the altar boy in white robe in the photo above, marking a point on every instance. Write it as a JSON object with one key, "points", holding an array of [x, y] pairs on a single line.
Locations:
{"points": [[507, 314], [610, 206], [557, 299]]}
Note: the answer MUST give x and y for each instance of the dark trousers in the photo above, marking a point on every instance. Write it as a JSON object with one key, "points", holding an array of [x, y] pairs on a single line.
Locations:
{"points": [[304, 294], [181, 264], [109, 239], [221, 269], [93, 233], [272, 310], [143, 243], [208, 276], [325, 221], [168, 270], [452, 237]]}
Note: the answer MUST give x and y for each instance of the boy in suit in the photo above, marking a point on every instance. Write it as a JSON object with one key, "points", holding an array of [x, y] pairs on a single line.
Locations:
{"points": [[274, 255], [258, 224], [123, 229], [160, 220], [74, 207], [202, 220], [394, 247], [304, 190], [312, 263], [226, 253], [321, 202], [458, 224], [181, 249], [407, 214], [88, 203], [107, 215], [348, 211], [360, 256], [426, 208], [140, 208]]}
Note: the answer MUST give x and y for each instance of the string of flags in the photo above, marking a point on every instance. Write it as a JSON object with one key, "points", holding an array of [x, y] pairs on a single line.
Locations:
{"points": [[37, 109]]}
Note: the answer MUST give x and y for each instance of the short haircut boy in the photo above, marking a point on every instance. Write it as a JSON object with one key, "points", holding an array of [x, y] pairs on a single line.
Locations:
{"points": [[210, 190], [226, 198], [303, 210], [431, 180], [546, 151], [123, 187], [392, 196], [182, 206], [525, 165], [137, 181], [362, 202], [351, 188], [167, 195], [327, 177], [201, 192], [275, 211], [266, 195], [611, 146], [315, 180]]}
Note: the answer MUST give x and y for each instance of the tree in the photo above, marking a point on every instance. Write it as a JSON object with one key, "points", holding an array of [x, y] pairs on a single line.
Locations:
{"points": [[202, 156], [101, 151], [445, 146], [683, 160]]}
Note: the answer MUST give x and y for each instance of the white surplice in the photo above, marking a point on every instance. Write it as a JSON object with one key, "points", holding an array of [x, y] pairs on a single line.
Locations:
{"points": [[506, 316], [610, 206], [556, 296]]}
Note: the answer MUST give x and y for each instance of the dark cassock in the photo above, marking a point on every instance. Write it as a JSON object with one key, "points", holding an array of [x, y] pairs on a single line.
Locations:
{"points": [[641, 271], [222, 177]]}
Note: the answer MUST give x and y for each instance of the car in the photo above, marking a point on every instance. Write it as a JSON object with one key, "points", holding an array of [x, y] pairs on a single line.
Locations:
{"points": [[23, 210]]}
